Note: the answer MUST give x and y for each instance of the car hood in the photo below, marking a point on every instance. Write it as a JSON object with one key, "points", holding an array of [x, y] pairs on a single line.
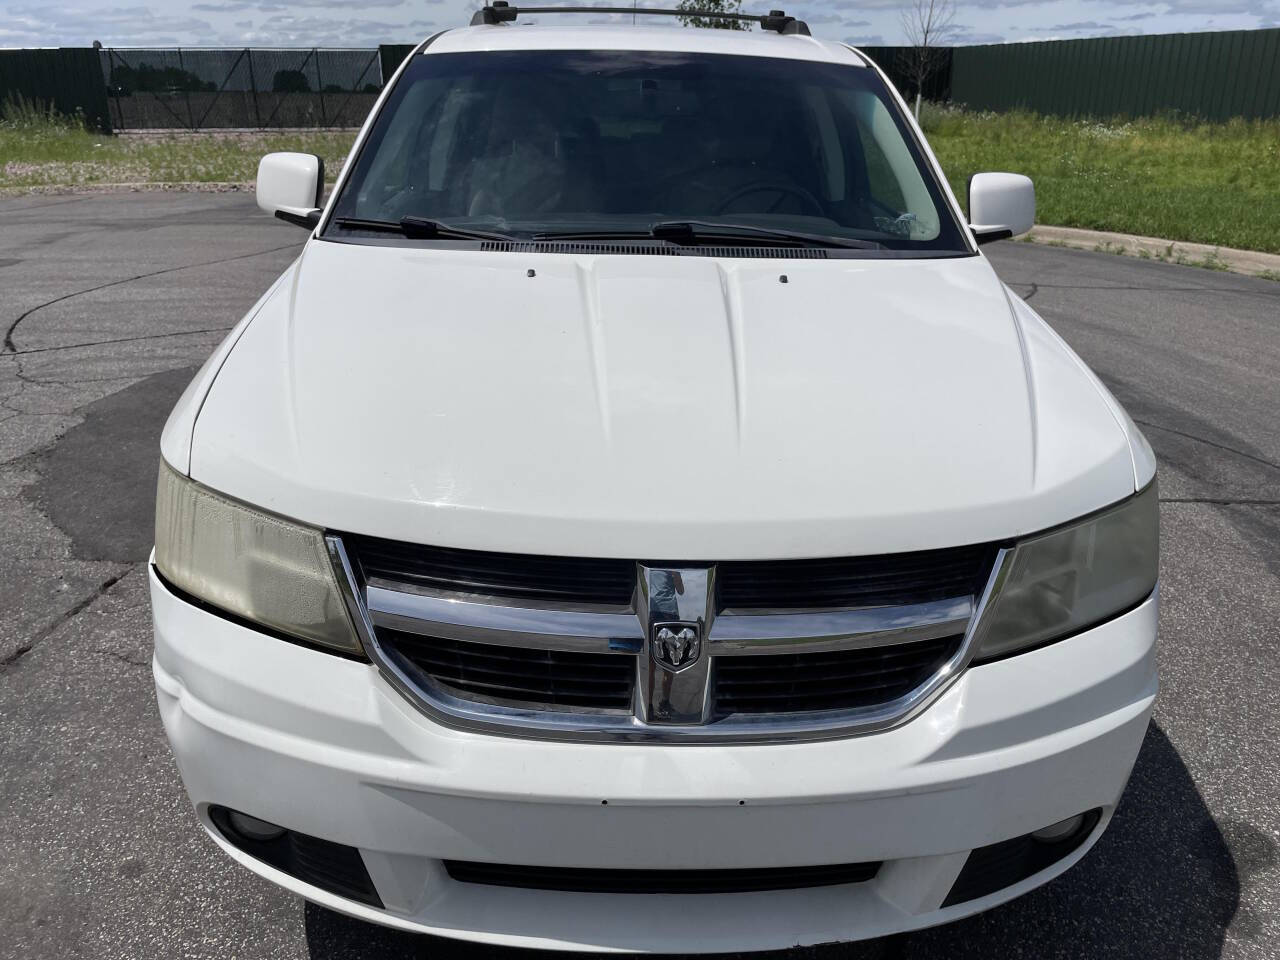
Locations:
{"points": [[657, 407]]}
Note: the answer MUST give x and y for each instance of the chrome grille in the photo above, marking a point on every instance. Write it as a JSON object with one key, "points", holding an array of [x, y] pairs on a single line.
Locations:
{"points": [[556, 647], [489, 673], [836, 680]]}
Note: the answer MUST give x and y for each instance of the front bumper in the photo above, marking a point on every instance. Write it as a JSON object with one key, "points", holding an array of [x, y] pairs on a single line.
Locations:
{"points": [[326, 747]]}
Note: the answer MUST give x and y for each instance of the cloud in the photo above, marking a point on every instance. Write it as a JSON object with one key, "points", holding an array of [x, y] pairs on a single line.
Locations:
{"points": [[366, 22]]}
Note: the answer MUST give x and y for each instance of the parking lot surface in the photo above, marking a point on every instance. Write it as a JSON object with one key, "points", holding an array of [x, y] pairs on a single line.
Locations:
{"points": [[108, 303]]}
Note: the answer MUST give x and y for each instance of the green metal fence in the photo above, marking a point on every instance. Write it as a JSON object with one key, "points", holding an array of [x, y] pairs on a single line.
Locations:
{"points": [[1214, 76], [199, 89]]}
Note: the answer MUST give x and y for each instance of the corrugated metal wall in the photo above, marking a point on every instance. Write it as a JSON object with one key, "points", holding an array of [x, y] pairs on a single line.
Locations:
{"points": [[1215, 76], [69, 78]]}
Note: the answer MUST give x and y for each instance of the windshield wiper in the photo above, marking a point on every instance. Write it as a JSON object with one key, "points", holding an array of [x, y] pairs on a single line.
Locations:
{"points": [[693, 231], [419, 228], [697, 231]]}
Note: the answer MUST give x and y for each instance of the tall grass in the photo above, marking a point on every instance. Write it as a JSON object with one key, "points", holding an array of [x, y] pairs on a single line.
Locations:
{"points": [[1173, 177], [35, 116], [41, 148]]}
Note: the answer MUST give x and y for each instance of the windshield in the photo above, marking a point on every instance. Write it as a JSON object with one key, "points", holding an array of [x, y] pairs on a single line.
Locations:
{"points": [[551, 142]]}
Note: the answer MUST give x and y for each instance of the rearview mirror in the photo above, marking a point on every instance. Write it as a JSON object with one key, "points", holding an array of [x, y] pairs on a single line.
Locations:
{"points": [[1001, 205], [290, 186]]}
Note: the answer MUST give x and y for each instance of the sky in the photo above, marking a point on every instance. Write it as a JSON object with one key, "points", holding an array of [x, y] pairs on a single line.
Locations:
{"points": [[363, 23]]}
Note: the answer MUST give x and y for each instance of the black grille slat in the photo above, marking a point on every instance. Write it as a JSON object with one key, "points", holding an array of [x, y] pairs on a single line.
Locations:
{"points": [[889, 579], [883, 679], [516, 576], [842, 582], [549, 678], [586, 880], [794, 683]]}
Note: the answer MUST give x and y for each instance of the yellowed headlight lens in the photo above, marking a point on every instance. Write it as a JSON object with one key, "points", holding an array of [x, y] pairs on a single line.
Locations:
{"points": [[1075, 577], [249, 563]]}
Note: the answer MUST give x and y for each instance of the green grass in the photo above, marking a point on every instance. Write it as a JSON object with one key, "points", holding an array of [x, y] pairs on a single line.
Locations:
{"points": [[1204, 183], [40, 149], [1180, 180]]}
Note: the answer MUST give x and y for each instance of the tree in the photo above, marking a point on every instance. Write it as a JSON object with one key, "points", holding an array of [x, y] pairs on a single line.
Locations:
{"points": [[928, 24], [290, 81], [714, 6], [145, 78]]}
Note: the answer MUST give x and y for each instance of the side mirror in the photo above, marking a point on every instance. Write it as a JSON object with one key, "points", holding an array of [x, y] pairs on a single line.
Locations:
{"points": [[290, 186], [1001, 205]]}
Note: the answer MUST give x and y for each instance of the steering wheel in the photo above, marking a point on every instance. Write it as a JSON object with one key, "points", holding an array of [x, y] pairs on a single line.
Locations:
{"points": [[781, 188]]}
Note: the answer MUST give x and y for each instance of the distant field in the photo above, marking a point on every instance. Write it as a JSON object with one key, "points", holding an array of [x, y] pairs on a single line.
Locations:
{"points": [[1207, 183]]}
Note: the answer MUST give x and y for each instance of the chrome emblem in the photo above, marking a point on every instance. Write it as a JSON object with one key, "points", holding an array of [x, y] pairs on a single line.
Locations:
{"points": [[676, 645]]}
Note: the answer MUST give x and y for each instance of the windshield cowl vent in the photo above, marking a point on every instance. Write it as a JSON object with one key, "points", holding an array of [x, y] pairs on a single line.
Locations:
{"points": [[642, 249]]}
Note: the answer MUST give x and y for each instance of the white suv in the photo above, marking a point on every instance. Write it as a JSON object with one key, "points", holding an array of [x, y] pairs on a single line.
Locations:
{"points": [[642, 520]]}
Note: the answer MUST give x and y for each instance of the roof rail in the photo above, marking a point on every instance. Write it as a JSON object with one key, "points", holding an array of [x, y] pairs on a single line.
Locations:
{"points": [[776, 20]]}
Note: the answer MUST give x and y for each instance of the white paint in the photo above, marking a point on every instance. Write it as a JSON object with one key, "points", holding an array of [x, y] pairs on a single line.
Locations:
{"points": [[289, 183], [986, 762], [1002, 201], [445, 397]]}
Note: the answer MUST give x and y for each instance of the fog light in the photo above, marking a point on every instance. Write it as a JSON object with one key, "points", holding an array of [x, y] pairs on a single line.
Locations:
{"points": [[1057, 832], [251, 828]]}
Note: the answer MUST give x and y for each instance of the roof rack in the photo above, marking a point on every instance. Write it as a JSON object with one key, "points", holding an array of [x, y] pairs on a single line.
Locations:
{"points": [[776, 20]]}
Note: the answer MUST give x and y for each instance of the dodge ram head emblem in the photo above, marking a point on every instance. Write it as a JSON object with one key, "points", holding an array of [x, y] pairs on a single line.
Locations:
{"points": [[676, 645]]}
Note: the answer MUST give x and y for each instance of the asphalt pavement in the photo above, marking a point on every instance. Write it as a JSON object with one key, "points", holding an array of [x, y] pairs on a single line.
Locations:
{"points": [[110, 302]]}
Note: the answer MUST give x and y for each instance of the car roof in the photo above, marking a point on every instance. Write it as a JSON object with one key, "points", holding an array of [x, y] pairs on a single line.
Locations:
{"points": [[749, 43]]}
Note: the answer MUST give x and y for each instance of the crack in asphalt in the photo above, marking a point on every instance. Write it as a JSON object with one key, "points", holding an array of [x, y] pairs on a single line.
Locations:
{"points": [[1150, 289], [117, 655], [65, 617], [11, 348], [41, 206], [101, 343], [1209, 443], [1223, 501]]}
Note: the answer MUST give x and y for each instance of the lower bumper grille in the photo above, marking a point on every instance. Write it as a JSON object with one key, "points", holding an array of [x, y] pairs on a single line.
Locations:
{"points": [[321, 863], [836, 680], [579, 880]]}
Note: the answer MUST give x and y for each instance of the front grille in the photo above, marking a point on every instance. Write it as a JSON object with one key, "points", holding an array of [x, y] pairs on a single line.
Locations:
{"points": [[895, 578], [576, 647], [506, 575], [841, 582], [838, 680], [580, 880], [502, 674]]}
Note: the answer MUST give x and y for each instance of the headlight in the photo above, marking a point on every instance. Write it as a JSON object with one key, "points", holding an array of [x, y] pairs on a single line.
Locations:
{"points": [[249, 563], [1069, 579]]}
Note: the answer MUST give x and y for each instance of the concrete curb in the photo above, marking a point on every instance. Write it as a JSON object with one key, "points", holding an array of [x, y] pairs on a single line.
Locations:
{"points": [[1248, 262]]}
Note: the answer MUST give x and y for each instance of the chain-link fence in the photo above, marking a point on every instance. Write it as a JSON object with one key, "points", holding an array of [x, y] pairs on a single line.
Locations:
{"points": [[196, 89]]}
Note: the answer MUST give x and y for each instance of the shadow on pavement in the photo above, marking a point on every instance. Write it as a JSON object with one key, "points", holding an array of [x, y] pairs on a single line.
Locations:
{"points": [[1162, 881]]}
